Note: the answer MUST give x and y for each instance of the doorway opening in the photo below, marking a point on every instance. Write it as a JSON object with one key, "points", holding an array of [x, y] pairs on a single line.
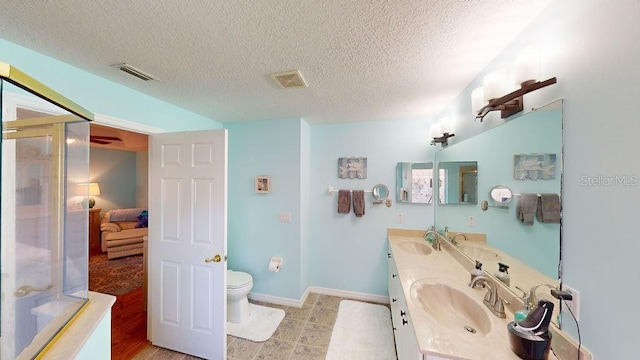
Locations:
{"points": [[119, 165]]}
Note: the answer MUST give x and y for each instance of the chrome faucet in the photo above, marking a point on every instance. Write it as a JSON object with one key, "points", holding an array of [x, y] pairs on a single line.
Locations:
{"points": [[492, 299], [533, 300], [436, 240], [453, 240]]}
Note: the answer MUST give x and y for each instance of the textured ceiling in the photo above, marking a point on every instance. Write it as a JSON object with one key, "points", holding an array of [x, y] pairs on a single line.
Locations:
{"points": [[363, 59]]}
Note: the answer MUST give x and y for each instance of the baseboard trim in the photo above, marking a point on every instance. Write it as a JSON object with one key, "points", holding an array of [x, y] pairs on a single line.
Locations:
{"points": [[279, 300], [350, 294], [318, 290]]}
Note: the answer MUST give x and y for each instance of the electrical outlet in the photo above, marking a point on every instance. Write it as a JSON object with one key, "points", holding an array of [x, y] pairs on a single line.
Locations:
{"points": [[471, 221], [573, 304], [400, 218], [284, 217]]}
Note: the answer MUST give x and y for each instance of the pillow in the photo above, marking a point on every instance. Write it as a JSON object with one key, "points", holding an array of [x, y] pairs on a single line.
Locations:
{"points": [[143, 220]]}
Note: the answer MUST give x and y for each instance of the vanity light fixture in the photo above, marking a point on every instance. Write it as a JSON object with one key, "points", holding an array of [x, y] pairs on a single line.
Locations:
{"points": [[488, 98], [440, 133], [513, 103]]}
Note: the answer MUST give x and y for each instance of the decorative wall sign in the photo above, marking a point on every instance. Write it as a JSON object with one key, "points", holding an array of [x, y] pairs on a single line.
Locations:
{"points": [[263, 185], [352, 168], [534, 166]]}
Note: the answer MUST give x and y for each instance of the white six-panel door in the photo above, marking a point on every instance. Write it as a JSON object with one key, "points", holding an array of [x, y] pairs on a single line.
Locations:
{"points": [[187, 229]]}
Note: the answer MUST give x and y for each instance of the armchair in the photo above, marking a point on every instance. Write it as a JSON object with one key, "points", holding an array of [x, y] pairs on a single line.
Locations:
{"points": [[120, 234]]}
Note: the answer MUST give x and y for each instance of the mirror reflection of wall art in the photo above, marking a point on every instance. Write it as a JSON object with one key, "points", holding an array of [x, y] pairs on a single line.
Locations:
{"points": [[534, 166], [263, 185], [352, 168]]}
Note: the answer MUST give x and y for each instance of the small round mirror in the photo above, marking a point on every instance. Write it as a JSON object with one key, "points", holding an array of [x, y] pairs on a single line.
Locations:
{"points": [[380, 192], [501, 194]]}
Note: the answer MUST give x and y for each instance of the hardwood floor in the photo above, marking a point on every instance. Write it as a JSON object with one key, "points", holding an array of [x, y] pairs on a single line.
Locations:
{"points": [[128, 325]]}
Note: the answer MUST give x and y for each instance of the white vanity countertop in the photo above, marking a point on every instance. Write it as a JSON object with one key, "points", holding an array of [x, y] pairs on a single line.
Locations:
{"points": [[434, 339], [74, 338]]}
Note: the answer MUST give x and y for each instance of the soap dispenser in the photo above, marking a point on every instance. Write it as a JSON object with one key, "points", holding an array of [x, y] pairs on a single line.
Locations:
{"points": [[477, 272], [503, 273]]}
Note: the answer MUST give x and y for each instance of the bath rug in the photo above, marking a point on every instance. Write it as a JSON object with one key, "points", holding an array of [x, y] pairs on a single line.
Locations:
{"points": [[260, 326], [362, 331]]}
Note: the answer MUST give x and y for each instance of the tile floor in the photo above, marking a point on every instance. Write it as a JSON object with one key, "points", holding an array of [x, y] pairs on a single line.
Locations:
{"points": [[303, 334]]}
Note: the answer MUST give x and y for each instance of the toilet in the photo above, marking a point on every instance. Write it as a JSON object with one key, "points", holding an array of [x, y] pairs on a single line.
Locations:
{"points": [[238, 286]]}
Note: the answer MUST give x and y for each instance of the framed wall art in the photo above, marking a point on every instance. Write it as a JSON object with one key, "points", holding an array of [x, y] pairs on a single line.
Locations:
{"points": [[534, 166], [352, 168], [263, 185]]}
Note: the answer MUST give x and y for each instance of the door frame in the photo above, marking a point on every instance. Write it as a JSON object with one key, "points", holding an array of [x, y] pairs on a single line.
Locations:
{"points": [[113, 122]]}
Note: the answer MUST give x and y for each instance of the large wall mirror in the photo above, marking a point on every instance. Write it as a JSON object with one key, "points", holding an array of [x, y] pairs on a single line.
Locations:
{"points": [[415, 182], [525, 156]]}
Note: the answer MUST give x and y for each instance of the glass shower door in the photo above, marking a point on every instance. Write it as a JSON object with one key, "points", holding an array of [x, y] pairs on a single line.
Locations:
{"points": [[43, 238]]}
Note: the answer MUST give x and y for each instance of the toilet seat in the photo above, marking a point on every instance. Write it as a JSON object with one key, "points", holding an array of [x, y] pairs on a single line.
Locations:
{"points": [[238, 279]]}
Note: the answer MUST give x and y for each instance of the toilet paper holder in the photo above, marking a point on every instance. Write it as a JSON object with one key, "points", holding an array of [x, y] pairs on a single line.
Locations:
{"points": [[275, 264]]}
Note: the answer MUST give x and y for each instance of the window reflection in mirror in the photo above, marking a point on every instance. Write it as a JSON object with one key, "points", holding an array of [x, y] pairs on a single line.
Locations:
{"points": [[415, 182], [460, 185]]}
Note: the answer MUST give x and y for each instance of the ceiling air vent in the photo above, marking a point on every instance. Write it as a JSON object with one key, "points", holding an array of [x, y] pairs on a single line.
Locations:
{"points": [[135, 72], [289, 79]]}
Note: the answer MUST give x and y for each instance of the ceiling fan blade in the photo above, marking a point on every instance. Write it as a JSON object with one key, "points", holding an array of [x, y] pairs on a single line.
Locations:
{"points": [[100, 137]]}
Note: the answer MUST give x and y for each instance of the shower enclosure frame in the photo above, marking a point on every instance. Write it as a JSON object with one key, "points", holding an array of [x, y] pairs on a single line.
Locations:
{"points": [[55, 254]]}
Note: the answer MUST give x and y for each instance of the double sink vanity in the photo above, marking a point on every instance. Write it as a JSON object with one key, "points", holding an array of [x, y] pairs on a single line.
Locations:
{"points": [[437, 315]]}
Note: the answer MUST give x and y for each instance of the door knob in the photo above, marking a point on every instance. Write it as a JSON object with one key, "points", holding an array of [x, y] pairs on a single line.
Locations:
{"points": [[216, 258]]}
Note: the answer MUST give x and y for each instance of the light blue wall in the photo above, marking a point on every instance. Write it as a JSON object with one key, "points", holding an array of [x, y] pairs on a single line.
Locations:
{"points": [[319, 247], [102, 96], [346, 252], [538, 132], [592, 48], [272, 148], [115, 172]]}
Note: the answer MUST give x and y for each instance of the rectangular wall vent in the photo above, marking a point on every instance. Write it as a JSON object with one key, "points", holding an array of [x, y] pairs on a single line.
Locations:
{"points": [[290, 79], [136, 72]]}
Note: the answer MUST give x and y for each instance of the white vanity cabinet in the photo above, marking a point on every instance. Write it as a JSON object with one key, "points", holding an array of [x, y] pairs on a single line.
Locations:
{"points": [[406, 343]]}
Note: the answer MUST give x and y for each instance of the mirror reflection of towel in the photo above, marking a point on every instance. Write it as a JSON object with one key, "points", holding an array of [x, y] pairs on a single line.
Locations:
{"points": [[549, 209], [344, 201], [358, 202], [526, 208]]}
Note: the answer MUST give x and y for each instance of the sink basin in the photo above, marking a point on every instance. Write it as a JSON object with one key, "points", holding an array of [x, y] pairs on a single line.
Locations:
{"points": [[451, 307], [415, 247], [478, 252]]}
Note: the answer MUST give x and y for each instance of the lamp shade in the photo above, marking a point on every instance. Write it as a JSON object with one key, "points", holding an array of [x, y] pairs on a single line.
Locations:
{"points": [[494, 85], [436, 131], [527, 65], [94, 189], [444, 126], [477, 99]]}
